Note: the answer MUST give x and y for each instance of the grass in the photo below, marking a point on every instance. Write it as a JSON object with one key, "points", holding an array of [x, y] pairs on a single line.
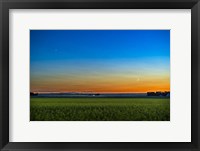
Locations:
{"points": [[100, 109]]}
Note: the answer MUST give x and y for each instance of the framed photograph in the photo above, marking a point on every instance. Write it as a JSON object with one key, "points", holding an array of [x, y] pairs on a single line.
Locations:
{"points": [[99, 75]]}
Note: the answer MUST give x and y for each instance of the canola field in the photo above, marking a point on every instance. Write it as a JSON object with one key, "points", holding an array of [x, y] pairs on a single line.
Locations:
{"points": [[99, 109]]}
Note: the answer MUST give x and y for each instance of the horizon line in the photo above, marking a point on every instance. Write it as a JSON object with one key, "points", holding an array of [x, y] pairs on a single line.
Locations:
{"points": [[101, 92]]}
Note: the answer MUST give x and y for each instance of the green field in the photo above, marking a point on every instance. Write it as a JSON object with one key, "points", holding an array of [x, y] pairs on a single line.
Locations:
{"points": [[100, 109]]}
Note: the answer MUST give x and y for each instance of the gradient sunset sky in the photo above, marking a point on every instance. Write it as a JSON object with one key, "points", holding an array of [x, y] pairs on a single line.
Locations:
{"points": [[109, 61]]}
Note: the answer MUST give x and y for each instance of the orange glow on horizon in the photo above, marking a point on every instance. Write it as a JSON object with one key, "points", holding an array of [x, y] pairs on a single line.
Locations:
{"points": [[103, 86]]}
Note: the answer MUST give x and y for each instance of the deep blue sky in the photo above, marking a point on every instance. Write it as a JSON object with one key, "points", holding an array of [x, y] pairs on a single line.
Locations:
{"points": [[60, 53], [98, 44]]}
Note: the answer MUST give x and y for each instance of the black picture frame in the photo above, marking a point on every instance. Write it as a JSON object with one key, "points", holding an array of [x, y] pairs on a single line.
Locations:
{"points": [[5, 5]]}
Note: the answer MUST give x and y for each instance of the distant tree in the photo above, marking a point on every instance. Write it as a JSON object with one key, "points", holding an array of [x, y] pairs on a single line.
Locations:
{"points": [[158, 93], [33, 94], [151, 94]]}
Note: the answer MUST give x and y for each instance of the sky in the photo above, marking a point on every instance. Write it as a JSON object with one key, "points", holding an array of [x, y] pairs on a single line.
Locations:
{"points": [[103, 61]]}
